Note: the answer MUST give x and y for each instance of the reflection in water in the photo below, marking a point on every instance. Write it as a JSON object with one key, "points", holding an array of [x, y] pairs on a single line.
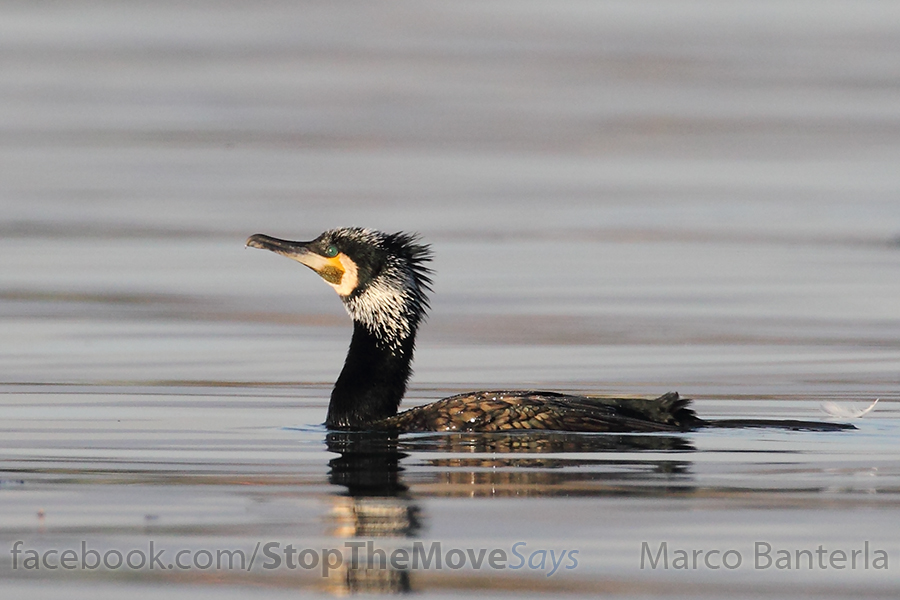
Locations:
{"points": [[368, 465], [523, 464], [547, 442], [377, 506]]}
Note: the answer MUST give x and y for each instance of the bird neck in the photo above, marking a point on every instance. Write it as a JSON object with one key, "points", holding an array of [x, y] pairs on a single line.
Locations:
{"points": [[372, 382]]}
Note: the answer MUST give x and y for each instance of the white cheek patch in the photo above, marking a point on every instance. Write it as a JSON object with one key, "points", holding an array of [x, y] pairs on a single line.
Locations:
{"points": [[350, 278]]}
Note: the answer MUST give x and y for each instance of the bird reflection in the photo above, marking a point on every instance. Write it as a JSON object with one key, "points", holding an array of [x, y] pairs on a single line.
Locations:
{"points": [[376, 506], [545, 442]]}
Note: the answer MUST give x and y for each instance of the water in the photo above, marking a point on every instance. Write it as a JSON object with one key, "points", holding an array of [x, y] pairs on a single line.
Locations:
{"points": [[622, 198]]}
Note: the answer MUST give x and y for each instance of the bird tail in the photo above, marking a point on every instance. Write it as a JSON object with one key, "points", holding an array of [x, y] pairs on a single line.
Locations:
{"points": [[670, 411], [673, 410]]}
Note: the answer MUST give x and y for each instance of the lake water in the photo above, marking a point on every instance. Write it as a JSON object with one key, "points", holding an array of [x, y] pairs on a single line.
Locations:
{"points": [[622, 198]]}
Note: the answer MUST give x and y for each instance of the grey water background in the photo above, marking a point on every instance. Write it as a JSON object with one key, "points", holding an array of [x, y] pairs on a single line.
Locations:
{"points": [[622, 197]]}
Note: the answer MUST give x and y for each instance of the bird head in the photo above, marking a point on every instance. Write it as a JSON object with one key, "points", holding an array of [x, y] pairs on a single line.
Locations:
{"points": [[381, 278]]}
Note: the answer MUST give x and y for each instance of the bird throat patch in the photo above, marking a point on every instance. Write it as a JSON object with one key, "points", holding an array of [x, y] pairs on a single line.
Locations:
{"points": [[343, 276], [332, 275]]}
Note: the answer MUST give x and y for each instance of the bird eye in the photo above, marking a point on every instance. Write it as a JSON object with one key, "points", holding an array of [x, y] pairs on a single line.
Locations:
{"points": [[331, 251]]}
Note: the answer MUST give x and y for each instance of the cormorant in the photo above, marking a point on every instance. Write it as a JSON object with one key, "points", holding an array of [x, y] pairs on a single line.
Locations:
{"points": [[384, 282]]}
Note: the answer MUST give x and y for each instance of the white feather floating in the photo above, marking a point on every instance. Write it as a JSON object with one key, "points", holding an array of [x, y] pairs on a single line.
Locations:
{"points": [[842, 411]]}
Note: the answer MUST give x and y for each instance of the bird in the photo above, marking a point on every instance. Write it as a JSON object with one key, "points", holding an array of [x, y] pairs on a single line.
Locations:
{"points": [[384, 282]]}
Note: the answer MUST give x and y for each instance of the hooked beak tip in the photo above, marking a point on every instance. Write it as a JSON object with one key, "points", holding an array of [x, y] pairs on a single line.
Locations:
{"points": [[267, 242], [253, 241]]}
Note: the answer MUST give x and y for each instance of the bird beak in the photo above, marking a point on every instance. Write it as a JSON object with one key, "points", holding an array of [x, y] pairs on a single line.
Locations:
{"points": [[298, 251], [330, 269]]}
